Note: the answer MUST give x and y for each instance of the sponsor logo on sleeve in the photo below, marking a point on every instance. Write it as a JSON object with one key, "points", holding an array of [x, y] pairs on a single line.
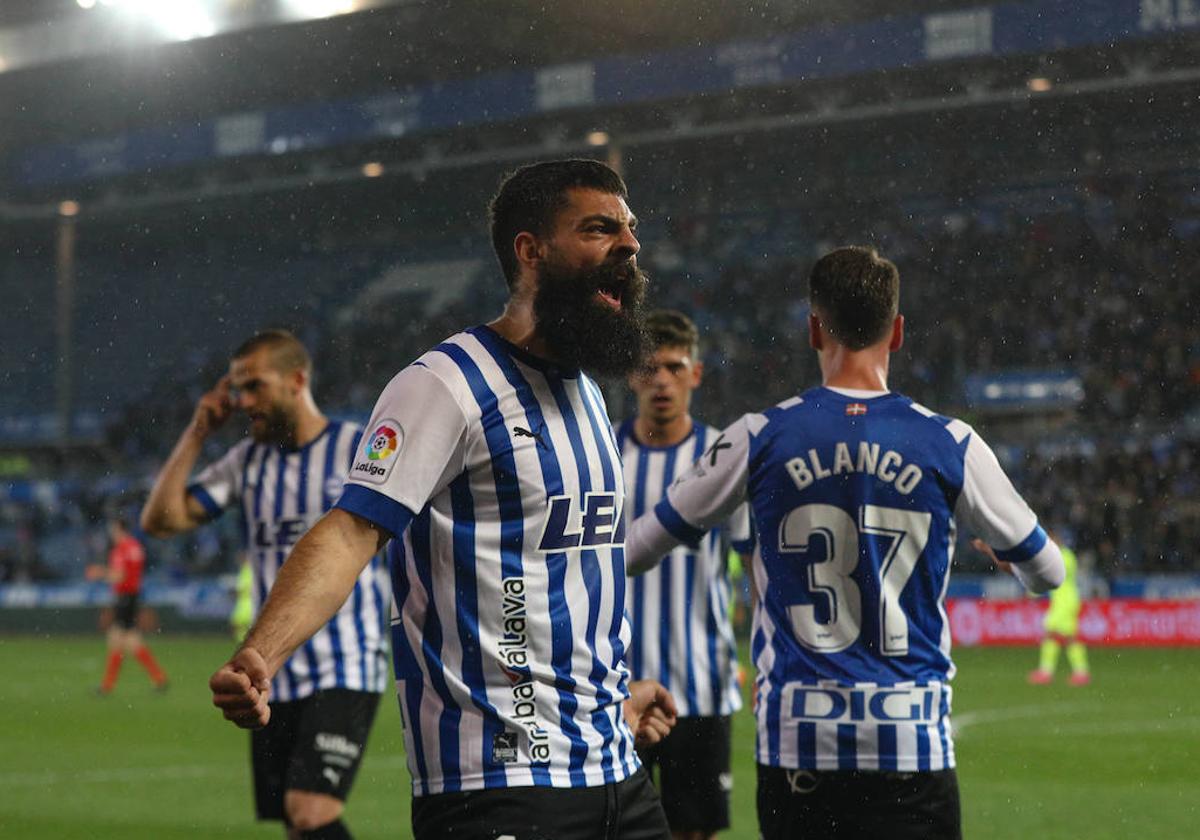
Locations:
{"points": [[378, 454]]}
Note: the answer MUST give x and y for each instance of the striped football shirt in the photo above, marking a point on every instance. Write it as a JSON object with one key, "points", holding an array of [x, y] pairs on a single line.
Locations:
{"points": [[679, 610], [499, 478], [856, 498], [280, 493]]}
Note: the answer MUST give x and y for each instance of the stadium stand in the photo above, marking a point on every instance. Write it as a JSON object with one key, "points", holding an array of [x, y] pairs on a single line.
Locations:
{"points": [[1073, 215]]}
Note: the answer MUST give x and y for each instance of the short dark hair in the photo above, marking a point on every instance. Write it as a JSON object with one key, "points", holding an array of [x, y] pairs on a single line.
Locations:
{"points": [[530, 197], [287, 352], [856, 294], [669, 328]]}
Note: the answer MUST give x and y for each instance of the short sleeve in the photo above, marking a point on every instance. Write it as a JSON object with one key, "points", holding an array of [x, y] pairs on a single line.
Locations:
{"points": [[410, 450], [219, 485], [711, 490], [991, 508]]}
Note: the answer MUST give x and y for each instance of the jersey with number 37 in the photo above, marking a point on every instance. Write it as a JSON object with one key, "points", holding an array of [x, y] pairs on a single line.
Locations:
{"points": [[856, 497]]}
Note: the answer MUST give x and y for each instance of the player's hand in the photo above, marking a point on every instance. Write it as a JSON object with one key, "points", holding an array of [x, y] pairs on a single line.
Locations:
{"points": [[650, 712], [94, 571], [986, 550], [241, 689], [213, 409]]}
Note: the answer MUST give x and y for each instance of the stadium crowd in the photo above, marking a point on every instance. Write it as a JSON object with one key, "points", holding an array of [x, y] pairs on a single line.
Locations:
{"points": [[1096, 280]]}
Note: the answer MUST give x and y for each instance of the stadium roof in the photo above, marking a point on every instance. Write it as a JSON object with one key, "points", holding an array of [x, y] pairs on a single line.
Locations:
{"points": [[397, 41]]}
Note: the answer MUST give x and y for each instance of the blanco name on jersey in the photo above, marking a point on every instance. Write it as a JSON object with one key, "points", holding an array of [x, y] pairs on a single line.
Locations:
{"points": [[888, 467]]}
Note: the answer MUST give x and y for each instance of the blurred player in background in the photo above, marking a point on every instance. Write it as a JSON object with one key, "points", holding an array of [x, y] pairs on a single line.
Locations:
{"points": [[856, 494], [126, 563], [492, 470], [1060, 625], [282, 478], [242, 614], [679, 609]]}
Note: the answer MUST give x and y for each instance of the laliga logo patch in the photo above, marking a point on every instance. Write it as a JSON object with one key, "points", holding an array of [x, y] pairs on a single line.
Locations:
{"points": [[383, 442], [379, 447]]}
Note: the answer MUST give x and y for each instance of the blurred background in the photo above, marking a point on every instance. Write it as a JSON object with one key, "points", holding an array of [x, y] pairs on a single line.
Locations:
{"points": [[177, 175]]}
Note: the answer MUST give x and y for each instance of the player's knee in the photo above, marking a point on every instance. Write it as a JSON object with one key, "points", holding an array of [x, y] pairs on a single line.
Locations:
{"points": [[307, 812]]}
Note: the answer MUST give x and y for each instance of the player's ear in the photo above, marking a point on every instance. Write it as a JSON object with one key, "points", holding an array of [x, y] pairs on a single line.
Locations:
{"points": [[529, 249], [815, 341], [697, 373], [897, 334]]}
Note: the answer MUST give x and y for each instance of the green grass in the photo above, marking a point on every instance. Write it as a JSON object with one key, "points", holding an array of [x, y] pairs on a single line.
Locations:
{"points": [[1113, 760]]}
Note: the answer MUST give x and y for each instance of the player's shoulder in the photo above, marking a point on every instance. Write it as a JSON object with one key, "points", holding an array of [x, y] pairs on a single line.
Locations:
{"points": [[439, 370], [341, 428], [816, 404], [782, 413], [623, 432], [958, 430], [446, 359], [239, 450]]}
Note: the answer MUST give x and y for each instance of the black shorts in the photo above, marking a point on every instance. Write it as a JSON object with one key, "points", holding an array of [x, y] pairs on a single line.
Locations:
{"points": [[315, 744], [693, 773], [796, 804], [125, 611], [628, 810]]}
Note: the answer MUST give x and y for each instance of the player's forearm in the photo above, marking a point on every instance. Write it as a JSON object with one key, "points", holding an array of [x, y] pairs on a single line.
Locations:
{"points": [[646, 543], [166, 509], [312, 585], [1042, 572]]}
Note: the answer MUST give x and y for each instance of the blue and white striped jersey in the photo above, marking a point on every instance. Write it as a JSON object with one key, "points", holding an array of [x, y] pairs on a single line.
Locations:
{"points": [[281, 493], [855, 497], [679, 610], [498, 476]]}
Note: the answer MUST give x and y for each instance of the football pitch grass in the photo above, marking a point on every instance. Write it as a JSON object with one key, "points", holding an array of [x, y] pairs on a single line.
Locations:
{"points": [[1116, 759]]}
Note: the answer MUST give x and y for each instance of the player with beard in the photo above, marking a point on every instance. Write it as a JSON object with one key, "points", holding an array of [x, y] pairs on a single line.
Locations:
{"points": [[491, 473], [282, 478]]}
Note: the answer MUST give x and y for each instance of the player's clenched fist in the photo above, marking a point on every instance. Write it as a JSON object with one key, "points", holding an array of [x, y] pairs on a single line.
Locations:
{"points": [[241, 688], [650, 712], [213, 409]]}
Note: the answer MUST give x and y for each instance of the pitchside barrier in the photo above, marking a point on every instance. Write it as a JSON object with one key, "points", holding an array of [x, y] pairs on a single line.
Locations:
{"points": [[1114, 621], [1161, 610], [195, 606], [1149, 610]]}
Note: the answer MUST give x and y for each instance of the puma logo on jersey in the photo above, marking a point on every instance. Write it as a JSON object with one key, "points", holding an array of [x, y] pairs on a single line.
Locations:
{"points": [[522, 432]]}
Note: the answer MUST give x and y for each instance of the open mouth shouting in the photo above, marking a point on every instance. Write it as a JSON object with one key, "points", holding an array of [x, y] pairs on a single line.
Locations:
{"points": [[613, 283]]}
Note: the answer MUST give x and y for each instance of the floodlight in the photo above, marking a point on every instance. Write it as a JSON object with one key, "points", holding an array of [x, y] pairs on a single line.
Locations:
{"points": [[322, 8]]}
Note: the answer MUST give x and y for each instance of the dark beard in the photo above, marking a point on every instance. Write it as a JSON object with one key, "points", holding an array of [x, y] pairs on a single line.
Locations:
{"points": [[279, 430], [583, 332]]}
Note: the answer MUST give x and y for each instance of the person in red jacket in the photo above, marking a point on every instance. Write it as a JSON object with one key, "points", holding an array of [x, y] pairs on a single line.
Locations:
{"points": [[126, 561]]}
